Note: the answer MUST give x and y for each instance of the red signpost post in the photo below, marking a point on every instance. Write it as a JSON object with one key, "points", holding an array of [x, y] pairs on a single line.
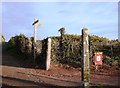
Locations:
{"points": [[98, 59]]}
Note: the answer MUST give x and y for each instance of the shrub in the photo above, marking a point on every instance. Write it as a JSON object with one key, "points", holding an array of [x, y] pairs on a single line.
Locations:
{"points": [[67, 49]]}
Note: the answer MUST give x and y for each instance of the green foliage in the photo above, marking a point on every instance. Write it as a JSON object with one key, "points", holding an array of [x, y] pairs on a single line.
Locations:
{"points": [[114, 42], [111, 61], [41, 48], [86, 76], [98, 40], [67, 49], [107, 60], [10, 45], [55, 50], [32, 39], [21, 44]]}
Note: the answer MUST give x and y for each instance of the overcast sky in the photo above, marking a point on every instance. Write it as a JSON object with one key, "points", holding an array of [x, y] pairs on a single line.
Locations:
{"points": [[101, 18]]}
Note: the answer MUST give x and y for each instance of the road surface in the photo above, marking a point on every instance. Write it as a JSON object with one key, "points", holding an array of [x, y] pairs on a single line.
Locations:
{"points": [[15, 74]]}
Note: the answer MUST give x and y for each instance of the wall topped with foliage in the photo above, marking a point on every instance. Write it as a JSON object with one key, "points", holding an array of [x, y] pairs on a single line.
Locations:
{"points": [[66, 49]]}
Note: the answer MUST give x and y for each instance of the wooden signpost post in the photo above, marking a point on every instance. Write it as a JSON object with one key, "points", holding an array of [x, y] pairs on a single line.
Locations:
{"points": [[85, 59], [35, 26]]}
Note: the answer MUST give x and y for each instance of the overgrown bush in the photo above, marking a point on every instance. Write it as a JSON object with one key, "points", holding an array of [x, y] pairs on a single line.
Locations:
{"points": [[10, 46], [21, 44], [67, 49]]}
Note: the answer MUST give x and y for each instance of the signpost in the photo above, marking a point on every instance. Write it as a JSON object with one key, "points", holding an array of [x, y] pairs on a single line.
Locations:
{"points": [[35, 26], [85, 59]]}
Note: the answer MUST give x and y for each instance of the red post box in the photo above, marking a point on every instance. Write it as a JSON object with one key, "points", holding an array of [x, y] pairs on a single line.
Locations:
{"points": [[98, 58]]}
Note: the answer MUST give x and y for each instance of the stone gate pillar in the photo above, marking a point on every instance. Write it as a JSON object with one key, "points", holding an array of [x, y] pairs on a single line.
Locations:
{"points": [[48, 57]]}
